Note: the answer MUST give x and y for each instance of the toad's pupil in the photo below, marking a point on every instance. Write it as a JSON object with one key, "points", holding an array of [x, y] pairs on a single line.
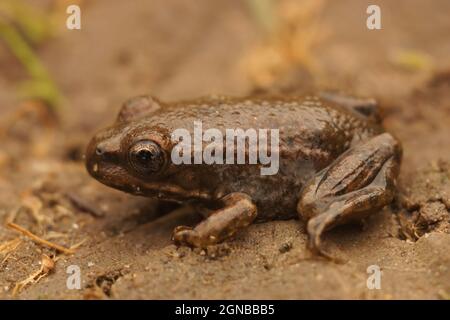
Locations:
{"points": [[144, 156]]}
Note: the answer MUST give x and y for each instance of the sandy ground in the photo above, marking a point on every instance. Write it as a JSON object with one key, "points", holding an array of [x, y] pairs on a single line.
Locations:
{"points": [[179, 49]]}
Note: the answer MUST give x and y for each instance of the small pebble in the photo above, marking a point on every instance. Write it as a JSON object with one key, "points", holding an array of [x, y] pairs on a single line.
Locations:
{"points": [[285, 247]]}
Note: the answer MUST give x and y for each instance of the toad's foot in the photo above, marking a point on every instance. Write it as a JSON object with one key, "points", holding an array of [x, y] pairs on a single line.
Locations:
{"points": [[238, 212], [359, 182]]}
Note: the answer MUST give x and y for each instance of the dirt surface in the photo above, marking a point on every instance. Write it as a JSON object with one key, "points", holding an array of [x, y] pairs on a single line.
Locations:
{"points": [[180, 49]]}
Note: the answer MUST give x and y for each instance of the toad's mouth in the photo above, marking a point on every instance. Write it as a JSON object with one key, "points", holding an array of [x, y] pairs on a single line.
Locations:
{"points": [[169, 192], [118, 178]]}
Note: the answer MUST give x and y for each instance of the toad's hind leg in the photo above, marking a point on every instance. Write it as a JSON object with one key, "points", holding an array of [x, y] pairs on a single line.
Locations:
{"points": [[359, 182], [237, 213]]}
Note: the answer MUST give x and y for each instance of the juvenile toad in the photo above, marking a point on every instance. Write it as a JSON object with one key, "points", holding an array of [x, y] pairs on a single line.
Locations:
{"points": [[336, 163]]}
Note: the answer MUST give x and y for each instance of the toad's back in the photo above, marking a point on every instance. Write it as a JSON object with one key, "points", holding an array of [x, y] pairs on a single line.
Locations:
{"points": [[312, 133]]}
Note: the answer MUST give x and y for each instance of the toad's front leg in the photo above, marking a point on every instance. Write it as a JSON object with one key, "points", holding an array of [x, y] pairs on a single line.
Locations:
{"points": [[359, 182], [237, 213]]}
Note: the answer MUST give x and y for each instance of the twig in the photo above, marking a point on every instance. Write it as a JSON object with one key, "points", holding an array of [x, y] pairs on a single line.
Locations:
{"points": [[7, 249], [77, 245], [47, 265], [39, 240]]}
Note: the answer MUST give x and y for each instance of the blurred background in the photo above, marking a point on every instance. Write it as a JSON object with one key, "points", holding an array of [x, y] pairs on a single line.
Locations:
{"points": [[58, 86]]}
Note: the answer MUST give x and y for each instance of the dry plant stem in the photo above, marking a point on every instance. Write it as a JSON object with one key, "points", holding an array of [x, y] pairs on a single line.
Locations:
{"points": [[7, 248], [77, 245], [39, 240], [47, 265]]}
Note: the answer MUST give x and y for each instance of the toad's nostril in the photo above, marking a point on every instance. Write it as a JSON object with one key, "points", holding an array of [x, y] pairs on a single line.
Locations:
{"points": [[99, 151]]}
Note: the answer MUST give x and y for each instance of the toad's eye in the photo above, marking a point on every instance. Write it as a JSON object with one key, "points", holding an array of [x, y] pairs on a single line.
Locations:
{"points": [[146, 156]]}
